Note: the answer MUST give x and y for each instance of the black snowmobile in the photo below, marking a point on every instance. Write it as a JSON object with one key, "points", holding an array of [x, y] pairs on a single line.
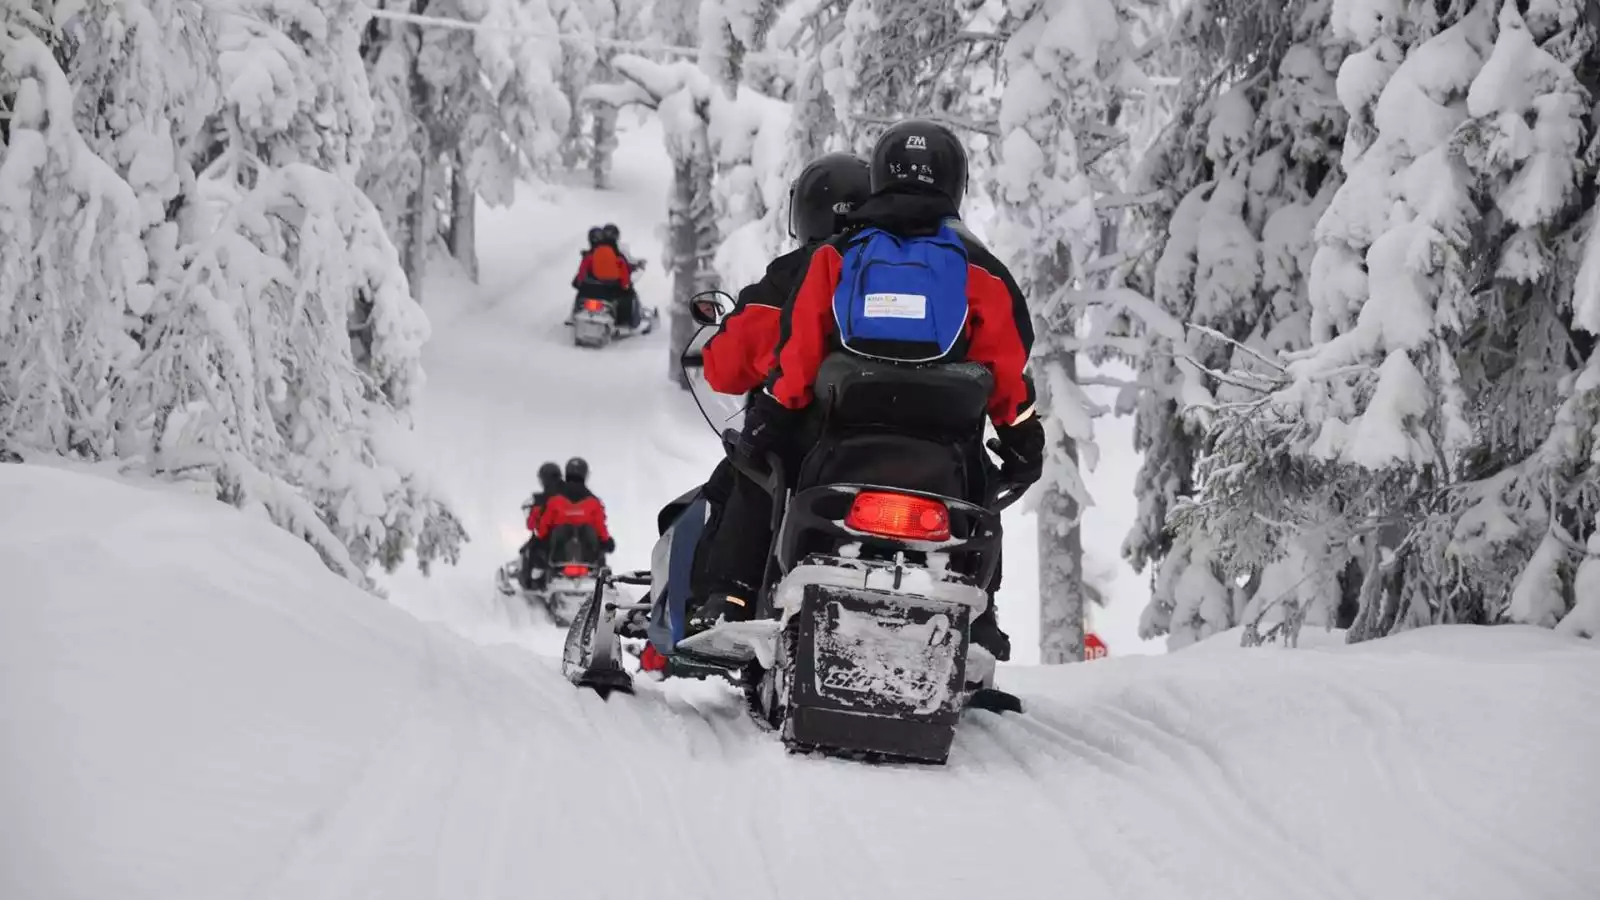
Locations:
{"points": [[860, 644], [565, 579], [594, 316]]}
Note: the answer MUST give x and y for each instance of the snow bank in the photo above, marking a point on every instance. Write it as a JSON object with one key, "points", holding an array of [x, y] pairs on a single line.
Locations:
{"points": [[193, 706]]}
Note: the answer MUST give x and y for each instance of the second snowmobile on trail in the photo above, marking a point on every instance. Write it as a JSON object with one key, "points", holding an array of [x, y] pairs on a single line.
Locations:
{"points": [[565, 578], [601, 313], [860, 643]]}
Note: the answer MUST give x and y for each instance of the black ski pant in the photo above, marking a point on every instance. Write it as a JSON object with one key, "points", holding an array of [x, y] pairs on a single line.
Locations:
{"points": [[532, 553], [732, 556]]}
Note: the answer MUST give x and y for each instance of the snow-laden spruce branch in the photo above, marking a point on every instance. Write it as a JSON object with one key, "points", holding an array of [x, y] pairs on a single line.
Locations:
{"points": [[564, 37]]}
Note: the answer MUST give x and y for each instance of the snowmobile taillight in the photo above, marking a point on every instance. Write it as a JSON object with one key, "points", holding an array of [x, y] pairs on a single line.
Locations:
{"points": [[574, 571], [594, 305], [899, 516]]}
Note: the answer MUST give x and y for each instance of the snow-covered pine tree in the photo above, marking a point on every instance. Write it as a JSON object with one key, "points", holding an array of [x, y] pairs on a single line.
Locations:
{"points": [[747, 138], [73, 271], [251, 375], [1445, 424], [1067, 65], [247, 328], [1235, 186], [581, 22], [460, 115], [886, 60]]}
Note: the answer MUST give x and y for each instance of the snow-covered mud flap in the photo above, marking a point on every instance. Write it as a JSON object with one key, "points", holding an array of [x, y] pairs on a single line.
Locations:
{"points": [[563, 598], [593, 328], [868, 673]]}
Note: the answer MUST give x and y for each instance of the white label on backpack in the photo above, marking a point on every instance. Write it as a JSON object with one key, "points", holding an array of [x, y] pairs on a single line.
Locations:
{"points": [[895, 306]]}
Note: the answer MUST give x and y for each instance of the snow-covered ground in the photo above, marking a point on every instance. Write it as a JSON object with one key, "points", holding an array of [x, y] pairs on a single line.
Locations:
{"points": [[192, 706], [507, 390]]}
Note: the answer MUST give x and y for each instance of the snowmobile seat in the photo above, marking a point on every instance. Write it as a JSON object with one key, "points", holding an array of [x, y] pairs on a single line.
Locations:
{"points": [[935, 400], [915, 427], [574, 544]]}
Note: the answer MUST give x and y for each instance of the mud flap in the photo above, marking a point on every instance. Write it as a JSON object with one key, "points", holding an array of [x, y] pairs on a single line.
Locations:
{"points": [[592, 329], [877, 673]]}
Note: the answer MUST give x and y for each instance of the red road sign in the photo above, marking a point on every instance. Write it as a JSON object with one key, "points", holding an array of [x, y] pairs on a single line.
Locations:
{"points": [[1093, 647]]}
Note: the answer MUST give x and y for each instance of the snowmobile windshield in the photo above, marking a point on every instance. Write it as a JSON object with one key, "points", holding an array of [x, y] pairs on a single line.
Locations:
{"points": [[721, 411]]}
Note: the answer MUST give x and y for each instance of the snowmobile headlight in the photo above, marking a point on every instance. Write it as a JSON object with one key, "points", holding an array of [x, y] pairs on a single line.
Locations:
{"points": [[899, 516]]}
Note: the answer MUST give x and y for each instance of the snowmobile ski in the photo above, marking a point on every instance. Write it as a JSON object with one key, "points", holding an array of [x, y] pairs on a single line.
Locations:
{"points": [[592, 655], [993, 700]]}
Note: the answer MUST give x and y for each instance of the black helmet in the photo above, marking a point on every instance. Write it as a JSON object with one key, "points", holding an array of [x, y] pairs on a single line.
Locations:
{"points": [[612, 233], [597, 236], [577, 470], [549, 474], [828, 188], [921, 151]]}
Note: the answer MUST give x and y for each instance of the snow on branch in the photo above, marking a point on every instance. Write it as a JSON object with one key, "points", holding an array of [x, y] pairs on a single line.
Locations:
{"points": [[586, 39]]}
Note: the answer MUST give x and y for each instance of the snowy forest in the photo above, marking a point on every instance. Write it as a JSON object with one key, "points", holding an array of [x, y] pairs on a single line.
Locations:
{"points": [[1339, 259]]}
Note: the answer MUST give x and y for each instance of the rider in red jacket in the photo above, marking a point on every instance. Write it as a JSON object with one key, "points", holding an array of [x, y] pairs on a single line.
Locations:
{"points": [[533, 552], [918, 175], [574, 505]]}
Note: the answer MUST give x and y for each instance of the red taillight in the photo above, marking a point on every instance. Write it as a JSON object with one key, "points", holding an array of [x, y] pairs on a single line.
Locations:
{"points": [[574, 571], [594, 305], [899, 516]]}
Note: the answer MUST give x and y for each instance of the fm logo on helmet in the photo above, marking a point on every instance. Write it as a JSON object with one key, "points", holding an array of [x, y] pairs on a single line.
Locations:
{"points": [[916, 142]]}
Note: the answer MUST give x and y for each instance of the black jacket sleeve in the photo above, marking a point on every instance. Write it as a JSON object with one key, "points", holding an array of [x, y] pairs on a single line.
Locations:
{"points": [[781, 280]]}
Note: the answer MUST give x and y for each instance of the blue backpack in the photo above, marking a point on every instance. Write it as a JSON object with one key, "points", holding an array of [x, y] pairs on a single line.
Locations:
{"points": [[902, 298]]}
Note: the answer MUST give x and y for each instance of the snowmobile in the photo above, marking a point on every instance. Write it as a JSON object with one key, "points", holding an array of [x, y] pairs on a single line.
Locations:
{"points": [[860, 643], [563, 581], [594, 320]]}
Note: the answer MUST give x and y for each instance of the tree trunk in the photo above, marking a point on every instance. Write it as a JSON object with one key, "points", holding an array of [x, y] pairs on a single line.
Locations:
{"points": [[418, 225], [693, 237], [463, 235], [604, 130], [1062, 598], [680, 221]]}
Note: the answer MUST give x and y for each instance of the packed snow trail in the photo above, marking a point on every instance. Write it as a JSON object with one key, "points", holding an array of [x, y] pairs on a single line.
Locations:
{"points": [[508, 390], [193, 706]]}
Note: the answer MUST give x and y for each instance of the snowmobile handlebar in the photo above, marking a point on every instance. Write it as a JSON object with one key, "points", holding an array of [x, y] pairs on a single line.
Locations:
{"points": [[1008, 492]]}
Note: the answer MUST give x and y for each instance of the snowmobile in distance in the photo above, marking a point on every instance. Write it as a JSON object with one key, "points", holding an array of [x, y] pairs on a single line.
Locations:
{"points": [[860, 644], [594, 319], [564, 580]]}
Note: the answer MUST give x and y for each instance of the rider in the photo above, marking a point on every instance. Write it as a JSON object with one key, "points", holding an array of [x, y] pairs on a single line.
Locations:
{"points": [[534, 550], [574, 506], [919, 175], [605, 274], [740, 355]]}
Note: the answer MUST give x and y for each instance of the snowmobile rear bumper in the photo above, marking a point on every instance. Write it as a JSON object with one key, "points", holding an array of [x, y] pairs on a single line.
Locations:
{"points": [[877, 673]]}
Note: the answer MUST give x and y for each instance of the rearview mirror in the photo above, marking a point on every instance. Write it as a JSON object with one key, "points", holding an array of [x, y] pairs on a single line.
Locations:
{"points": [[710, 307]]}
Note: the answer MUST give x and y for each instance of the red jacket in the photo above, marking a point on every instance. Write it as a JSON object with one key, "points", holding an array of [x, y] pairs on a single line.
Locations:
{"points": [[997, 334], [587, 269], [576, 506], [741, 354]]}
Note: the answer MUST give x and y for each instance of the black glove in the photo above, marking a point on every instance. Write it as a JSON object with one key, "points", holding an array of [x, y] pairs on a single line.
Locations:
{"points": [[1021, 451], [609, 545], [767, 426]]}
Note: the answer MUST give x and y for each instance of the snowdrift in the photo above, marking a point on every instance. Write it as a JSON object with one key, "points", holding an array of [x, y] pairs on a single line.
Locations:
{"points": [[192, 706]]}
